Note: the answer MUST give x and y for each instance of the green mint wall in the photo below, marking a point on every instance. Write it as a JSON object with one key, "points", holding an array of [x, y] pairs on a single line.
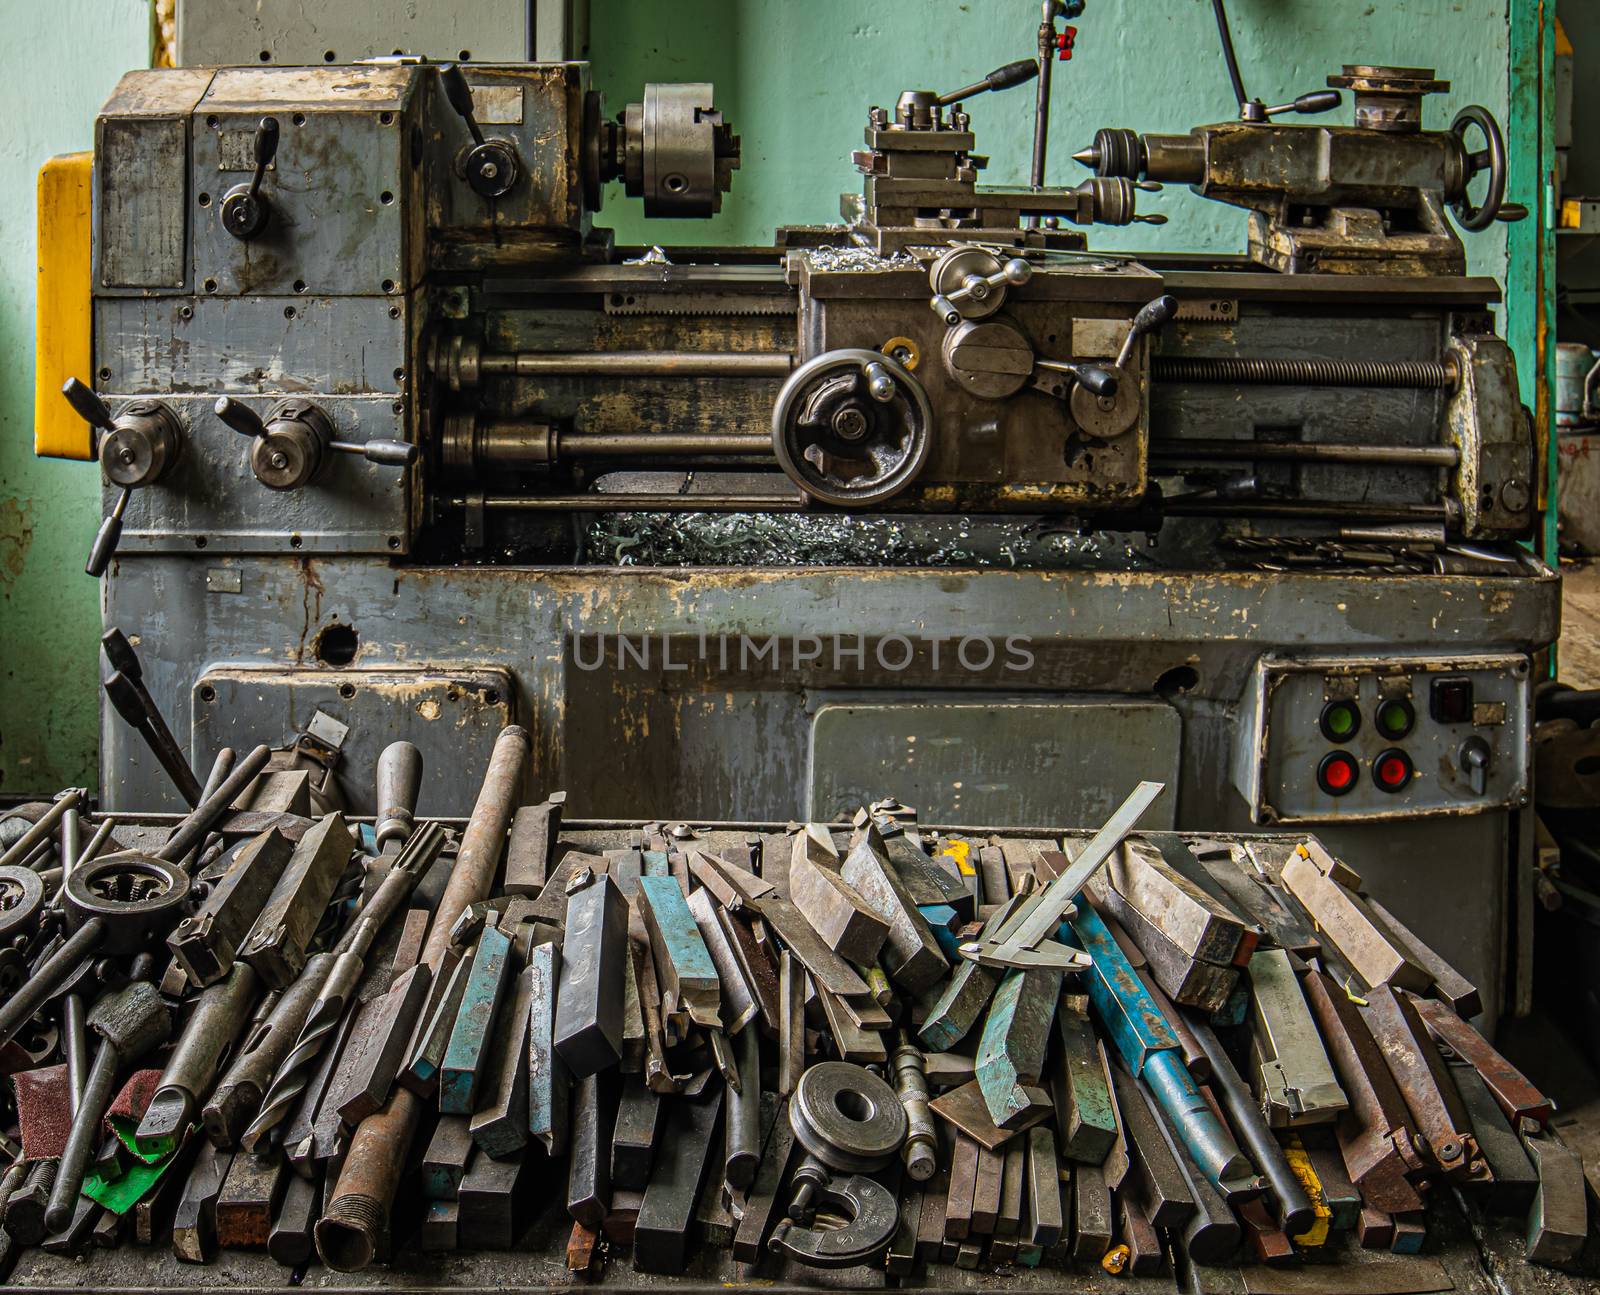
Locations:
{"points": [[62, 60]]}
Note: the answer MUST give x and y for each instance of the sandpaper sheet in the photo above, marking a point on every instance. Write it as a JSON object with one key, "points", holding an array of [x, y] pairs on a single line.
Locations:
{"points": [[44, 1111]]}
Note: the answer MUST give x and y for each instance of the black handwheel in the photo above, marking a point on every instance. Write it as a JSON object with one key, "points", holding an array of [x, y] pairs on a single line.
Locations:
{"points": [[852, 428], [1491, 159]]}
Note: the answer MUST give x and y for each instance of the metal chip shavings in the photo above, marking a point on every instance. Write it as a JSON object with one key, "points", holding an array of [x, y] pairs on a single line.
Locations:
{"points": [[834, 260], [832, 539]]}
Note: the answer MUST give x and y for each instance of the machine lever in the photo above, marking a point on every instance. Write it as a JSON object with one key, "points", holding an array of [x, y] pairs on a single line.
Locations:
{"points": [[1002, 78], [393, 454], [292, 442], [244, 210], [459, 96], [1152, 315], [125, 689], [1316, 101], [266, 148], [107, 537], [1098, 381], [240, 417], [1475, 762], [491, 166], [135, 449], [86, 403], [977, 287]]}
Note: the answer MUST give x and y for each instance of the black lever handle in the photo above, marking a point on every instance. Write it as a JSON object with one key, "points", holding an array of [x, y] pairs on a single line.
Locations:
{"points": [[86, 403], [1152, 315], [459, 96], [240, 417], [1002, 78], [1317, 101], [491, 166], [128, 695], [266, 148], [123, 695], [1097, 380], [244, 211], [107, 537], [119, 652]]}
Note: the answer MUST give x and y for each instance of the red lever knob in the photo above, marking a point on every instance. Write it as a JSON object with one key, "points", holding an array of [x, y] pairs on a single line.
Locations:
{"points": [[1064, 41]]}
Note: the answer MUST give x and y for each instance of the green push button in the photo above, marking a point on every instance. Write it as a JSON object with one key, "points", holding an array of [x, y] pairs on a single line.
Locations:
{"points": [[1340, 721], [1396, 717]]}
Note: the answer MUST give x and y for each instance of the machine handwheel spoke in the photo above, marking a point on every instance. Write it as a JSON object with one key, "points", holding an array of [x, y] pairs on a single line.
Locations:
{"points": [[839, 441], [1491, 158]]}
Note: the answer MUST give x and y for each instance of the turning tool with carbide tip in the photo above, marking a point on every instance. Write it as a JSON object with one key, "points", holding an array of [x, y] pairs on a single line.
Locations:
{"points": [[348, 964]]}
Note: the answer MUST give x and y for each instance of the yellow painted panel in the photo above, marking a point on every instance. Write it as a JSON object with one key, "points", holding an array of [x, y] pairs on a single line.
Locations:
{"points": [[62, 324]]}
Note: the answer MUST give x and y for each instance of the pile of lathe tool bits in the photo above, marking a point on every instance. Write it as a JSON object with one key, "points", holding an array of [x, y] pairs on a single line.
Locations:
{"points": [[738, 1052]]}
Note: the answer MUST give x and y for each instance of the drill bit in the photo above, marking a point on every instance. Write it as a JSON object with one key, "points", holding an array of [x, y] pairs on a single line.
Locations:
{"points": [[294, 1072]]}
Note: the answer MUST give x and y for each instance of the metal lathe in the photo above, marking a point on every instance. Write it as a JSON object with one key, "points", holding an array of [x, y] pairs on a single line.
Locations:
{"points": [[949, 498]]}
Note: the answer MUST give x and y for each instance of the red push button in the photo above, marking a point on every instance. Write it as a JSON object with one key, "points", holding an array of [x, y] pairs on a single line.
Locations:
{"points": [[1392, 770], [1337, 773]]}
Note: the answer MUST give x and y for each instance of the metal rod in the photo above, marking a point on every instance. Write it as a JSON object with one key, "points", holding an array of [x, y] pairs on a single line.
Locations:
{"points": [[40, 831], [1216, 448], [71, 842], [221, 767], [32, 994], [1344, 510], [97, 843], [205, 815], [602, 445], [637, 364], [1292, 1205], [1041, 104], [74, 1039], [655, 503], [360, 1203], [1228, 54], [83, 1135], [75, 1044]]}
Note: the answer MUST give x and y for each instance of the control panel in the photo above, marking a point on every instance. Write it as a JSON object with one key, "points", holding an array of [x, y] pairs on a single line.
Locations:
{"points": [[1356, 738]]}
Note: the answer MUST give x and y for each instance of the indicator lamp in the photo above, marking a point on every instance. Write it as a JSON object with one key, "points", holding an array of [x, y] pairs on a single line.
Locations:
{"points": [[1337, 773], [1392, 770], [1340, 720], [1396, 718]]}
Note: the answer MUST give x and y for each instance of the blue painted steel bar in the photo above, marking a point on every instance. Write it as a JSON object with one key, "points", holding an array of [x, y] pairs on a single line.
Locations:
{"points": [[941, 919], [467, 1054], [1150, 1048], [1015, 1035], [683, 963]]}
